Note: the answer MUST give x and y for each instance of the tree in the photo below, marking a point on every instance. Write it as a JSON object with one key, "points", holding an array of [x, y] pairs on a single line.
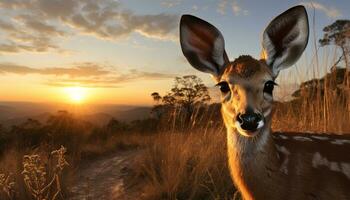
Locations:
{"points": [[187, 92], [115, 126], [157, 109], [156, 97], [338, 34], [29, 133]]}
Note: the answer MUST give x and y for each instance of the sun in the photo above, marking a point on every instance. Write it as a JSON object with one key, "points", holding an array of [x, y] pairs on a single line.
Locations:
{"points": [[76, 94]]}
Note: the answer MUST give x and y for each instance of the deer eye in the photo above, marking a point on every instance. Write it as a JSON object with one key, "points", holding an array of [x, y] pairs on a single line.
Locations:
{"points": [[268, 88], [224, 87]]}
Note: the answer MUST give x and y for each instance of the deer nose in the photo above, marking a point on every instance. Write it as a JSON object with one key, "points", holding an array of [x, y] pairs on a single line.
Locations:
{"points": [[249, 121]]}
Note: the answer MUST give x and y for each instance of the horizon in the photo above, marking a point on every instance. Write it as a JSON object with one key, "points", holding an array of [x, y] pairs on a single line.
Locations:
{"points": [[119, 52]]}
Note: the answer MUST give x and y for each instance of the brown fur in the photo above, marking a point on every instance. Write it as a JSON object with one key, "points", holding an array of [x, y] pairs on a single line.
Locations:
{"points": [[247, 79], [259, 175], [244, 66], [279, 166]]}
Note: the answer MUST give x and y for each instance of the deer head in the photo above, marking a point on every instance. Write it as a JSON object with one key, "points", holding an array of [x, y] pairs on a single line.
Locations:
{"points": [[247, 83]]}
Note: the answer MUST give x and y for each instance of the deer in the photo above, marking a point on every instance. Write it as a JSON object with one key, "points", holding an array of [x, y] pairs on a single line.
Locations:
{"points": [[266, 165]]}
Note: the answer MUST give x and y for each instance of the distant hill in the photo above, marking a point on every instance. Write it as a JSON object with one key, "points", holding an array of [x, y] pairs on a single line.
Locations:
{"points": [[11, 110], [133, 113], [19, 120], [99, 119], [13, 113], [337, 80]]}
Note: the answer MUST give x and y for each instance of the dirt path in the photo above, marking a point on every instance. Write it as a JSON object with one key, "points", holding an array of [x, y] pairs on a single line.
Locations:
{"points": [[103, 178]]}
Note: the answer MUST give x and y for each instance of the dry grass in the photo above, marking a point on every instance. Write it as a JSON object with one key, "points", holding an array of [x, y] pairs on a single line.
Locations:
{"points": [[322, 108], [96, 148], [38, 177], [324, 115], [184, 166]]}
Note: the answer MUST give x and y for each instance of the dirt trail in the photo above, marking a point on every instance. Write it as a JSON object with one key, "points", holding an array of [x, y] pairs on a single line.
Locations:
{"points": [[103, 178]]}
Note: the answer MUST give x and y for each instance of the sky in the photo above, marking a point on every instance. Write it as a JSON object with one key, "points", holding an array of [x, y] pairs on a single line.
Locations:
{"points": [[120, 51]]}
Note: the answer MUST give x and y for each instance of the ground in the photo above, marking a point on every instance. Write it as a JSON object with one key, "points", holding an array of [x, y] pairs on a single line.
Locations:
{"points": [[103, 178]]}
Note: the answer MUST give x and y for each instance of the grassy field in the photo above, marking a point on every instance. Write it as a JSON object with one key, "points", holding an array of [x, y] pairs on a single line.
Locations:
{"points": [[177, 159], [172, 164], [184, 166]]}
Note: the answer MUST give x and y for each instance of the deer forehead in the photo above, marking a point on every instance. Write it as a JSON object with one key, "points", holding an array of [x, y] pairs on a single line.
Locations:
{"points": [[246, 68]]}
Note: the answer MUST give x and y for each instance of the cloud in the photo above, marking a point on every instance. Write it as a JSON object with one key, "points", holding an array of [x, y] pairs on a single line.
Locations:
{"points": [[222, 7], [39, 26], [329, 11], [136, 74], [238, 10], [6, 26], [78, 70], [50, 21], [83, 74], [24, 33], [18, 42], [235, 7], [109, 23], [89, 83], [170, 3], [110, 81]]}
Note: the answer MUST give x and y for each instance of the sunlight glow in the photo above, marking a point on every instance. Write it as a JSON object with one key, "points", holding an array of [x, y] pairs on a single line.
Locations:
{"points": [[76, 94]]}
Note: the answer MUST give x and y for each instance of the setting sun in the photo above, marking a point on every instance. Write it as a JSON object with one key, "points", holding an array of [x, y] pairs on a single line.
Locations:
{"points": [[76, 94]]}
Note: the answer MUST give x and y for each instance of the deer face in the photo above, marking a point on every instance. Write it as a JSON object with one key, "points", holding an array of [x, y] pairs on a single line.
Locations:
{"points": [[246, 88], [246, 84]]}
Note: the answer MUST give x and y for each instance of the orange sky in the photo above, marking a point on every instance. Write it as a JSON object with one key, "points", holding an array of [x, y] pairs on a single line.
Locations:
{"points": [[122, 51]]}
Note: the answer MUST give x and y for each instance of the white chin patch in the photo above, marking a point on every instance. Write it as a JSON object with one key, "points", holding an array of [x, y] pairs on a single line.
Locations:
{"points": [[238, 125], [247, 133], [260, 124]]}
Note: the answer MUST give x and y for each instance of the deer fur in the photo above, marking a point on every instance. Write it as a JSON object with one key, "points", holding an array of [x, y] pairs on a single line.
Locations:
{"points": [[267, 165]]}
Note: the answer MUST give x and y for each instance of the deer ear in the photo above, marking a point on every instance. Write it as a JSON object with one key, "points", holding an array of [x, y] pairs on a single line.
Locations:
{"points": [[285, 38], [203, 45]]}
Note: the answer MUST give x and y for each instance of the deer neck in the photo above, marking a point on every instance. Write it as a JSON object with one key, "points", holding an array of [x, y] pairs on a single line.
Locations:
{"points": [[253, 162], [251, 150]]}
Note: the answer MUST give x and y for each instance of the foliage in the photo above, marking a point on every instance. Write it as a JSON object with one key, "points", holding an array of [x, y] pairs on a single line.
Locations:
{"points": [[338, 33], [156, 97], [116, 126], [187, 91], [187, 96]]}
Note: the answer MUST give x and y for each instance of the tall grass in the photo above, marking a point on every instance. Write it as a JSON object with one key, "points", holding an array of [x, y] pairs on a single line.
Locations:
{"points": [[184, 166], [322, 104], [36, 175]]}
